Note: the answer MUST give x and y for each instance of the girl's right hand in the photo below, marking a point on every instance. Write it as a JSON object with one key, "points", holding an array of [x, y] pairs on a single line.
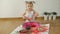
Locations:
{"points": [[24, 17]]}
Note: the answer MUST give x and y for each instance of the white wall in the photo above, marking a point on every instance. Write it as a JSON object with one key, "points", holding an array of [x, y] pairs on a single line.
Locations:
{"points": [[15, 8], [48, 5]]}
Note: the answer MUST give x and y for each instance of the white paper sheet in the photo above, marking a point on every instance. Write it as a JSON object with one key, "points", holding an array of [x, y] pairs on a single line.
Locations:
{"points": [[15, 31]]}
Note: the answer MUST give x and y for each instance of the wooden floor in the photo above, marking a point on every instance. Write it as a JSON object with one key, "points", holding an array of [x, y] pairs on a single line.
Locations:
{"points": [[8, 25]]}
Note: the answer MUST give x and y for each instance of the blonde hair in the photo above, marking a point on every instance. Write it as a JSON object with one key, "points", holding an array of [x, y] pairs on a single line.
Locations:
{"points": [[29, 2]]}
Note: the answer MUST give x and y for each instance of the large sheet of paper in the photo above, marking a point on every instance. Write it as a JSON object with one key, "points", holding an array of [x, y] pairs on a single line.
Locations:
{"points": [[15, 31]]}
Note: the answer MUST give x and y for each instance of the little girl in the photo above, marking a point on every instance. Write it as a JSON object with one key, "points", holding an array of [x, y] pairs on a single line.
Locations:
{"points": [[30, 14]]}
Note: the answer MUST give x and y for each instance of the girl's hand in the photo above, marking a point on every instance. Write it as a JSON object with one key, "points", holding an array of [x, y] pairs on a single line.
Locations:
{"points": [[24, 17], [29, 19]]}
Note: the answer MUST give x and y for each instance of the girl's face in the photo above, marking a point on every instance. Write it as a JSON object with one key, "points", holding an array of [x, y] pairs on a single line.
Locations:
{"points": [[29, 6]]}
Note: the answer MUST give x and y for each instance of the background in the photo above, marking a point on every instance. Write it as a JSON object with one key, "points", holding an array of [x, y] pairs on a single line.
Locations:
{"points": [[15, 8]]}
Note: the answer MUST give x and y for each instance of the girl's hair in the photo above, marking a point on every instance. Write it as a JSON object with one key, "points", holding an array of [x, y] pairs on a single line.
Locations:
{"points": [[29, 2]]}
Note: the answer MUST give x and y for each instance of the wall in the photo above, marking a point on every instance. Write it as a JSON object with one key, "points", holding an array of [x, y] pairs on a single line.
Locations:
{"points": [[15, 8]]}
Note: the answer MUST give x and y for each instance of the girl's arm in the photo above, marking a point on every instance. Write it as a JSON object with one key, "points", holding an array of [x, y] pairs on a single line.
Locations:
{"points": [[24, 17], [35, 14]]}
